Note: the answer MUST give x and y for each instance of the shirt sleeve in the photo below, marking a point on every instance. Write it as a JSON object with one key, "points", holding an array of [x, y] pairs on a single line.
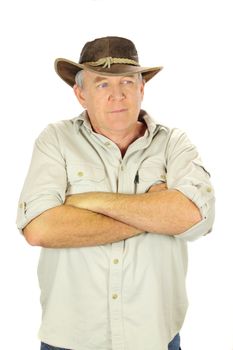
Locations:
{"points": [[46, 181], [186, 173]]}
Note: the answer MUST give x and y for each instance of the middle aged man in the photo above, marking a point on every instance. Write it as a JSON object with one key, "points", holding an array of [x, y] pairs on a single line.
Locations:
{"points": [[113, 197]]}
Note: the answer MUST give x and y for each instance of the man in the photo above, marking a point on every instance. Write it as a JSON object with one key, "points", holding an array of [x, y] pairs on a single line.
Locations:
{"points": [[112, 198]]}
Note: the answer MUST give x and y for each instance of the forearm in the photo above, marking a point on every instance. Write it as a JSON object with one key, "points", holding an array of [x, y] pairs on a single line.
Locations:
{"points": [[164, 212], [66, 226]]}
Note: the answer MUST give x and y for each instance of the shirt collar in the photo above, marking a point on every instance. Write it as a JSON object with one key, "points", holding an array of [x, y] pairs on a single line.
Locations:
{"points": [[83, 119], [144, 117]]}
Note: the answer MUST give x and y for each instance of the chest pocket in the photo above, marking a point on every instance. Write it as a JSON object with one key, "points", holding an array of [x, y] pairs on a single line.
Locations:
{"points": [[149, 175], [85, 177]]}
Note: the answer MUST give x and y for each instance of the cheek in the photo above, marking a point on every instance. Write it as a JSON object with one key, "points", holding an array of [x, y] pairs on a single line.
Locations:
{"points": [[137, 98], [95, 106], [96, 100], [141, 92], [91, 102]]}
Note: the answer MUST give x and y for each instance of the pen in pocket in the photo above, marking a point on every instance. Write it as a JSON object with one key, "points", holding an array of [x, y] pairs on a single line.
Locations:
{"points": [[136, 179]]}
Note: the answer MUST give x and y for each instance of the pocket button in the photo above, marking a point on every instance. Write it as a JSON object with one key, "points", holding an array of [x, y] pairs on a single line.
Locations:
{"points": [[80, 173]]}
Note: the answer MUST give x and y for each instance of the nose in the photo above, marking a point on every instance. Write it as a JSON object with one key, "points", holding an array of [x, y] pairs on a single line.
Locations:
{"points": [[116, 94]]}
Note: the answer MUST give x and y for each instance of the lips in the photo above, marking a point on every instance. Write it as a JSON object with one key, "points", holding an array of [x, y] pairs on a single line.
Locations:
{"points": [[115, 111]]}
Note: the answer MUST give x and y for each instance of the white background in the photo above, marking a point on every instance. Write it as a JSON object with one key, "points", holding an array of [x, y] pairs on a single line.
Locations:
{"points": [[193, 41]]}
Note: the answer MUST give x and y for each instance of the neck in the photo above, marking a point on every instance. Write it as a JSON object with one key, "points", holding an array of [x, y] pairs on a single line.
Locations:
{"points": [[124, 139]]}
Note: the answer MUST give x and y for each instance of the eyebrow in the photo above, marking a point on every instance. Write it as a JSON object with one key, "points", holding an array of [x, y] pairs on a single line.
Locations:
{"points": [[100, 78]]}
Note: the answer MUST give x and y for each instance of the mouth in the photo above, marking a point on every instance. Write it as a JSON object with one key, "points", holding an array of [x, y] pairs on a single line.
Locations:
{"points": [[116, 111]]}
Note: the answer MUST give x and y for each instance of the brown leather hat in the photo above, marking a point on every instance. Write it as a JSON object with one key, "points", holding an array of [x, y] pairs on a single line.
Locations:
{"points": [[110, 55]]}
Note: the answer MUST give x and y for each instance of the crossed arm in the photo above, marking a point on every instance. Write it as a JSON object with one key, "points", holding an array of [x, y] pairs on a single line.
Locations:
{"points": [[94, 218]]}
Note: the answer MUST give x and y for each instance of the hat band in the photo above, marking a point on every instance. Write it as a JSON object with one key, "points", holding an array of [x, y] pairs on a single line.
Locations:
{"points": [[107, 61]]}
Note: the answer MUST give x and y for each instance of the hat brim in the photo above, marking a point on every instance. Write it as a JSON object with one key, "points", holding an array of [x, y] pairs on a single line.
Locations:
{"points": [[67, 70]]}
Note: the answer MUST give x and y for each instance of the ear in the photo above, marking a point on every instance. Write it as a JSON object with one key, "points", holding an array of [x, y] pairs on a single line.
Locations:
{"points": [[80, 95], [142, 88]]}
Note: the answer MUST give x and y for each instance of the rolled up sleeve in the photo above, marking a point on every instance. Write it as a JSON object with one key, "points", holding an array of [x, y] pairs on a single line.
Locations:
{"points": [[186, 173], [46, 181]]}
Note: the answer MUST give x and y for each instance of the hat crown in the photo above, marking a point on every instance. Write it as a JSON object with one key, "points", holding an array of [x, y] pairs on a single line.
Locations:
{"points": [[110, 55], [110, 46]]}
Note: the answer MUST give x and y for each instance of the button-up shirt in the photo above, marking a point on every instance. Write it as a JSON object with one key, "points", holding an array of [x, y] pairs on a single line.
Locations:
{"points": [[128, 295]]}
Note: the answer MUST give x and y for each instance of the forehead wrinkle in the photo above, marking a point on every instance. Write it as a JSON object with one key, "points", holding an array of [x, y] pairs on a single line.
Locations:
{"points": [[96, 78], [99, 78]]}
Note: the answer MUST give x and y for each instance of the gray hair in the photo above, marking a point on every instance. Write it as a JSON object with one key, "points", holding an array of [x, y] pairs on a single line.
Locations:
{"points": [[79, 78]]}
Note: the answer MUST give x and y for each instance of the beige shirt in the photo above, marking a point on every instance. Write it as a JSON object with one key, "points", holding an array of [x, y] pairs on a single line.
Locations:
{"points": [[128, 295]]}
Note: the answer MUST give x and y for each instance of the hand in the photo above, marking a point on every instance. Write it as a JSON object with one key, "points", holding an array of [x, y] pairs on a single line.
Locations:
{"points": [[158, 187], [70, 199]]}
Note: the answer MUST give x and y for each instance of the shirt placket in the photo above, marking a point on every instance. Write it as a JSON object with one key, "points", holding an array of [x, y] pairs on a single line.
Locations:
{"points": [[125, 184], [115, 282], [115, 296]]}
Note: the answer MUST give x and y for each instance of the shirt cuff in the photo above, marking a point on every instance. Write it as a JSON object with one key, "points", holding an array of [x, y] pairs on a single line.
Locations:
{"points": [[31, 208], [203, 197]]}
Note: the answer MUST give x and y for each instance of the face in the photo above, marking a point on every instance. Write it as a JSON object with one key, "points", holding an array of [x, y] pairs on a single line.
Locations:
{"points": [[112, 102]]}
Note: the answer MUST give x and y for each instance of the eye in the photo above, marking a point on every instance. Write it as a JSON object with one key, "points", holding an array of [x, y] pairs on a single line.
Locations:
{"points": [[127, 82], [102, 85]]}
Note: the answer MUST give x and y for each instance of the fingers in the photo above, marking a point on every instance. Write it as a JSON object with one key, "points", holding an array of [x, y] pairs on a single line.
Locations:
{"points": [[158, 187]]}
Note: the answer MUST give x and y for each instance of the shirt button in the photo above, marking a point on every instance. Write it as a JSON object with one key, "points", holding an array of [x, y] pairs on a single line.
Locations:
{"points": [[80, 173], [163, 176], [114, 296], [209, 189], [115, 261], [107, 144]]}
